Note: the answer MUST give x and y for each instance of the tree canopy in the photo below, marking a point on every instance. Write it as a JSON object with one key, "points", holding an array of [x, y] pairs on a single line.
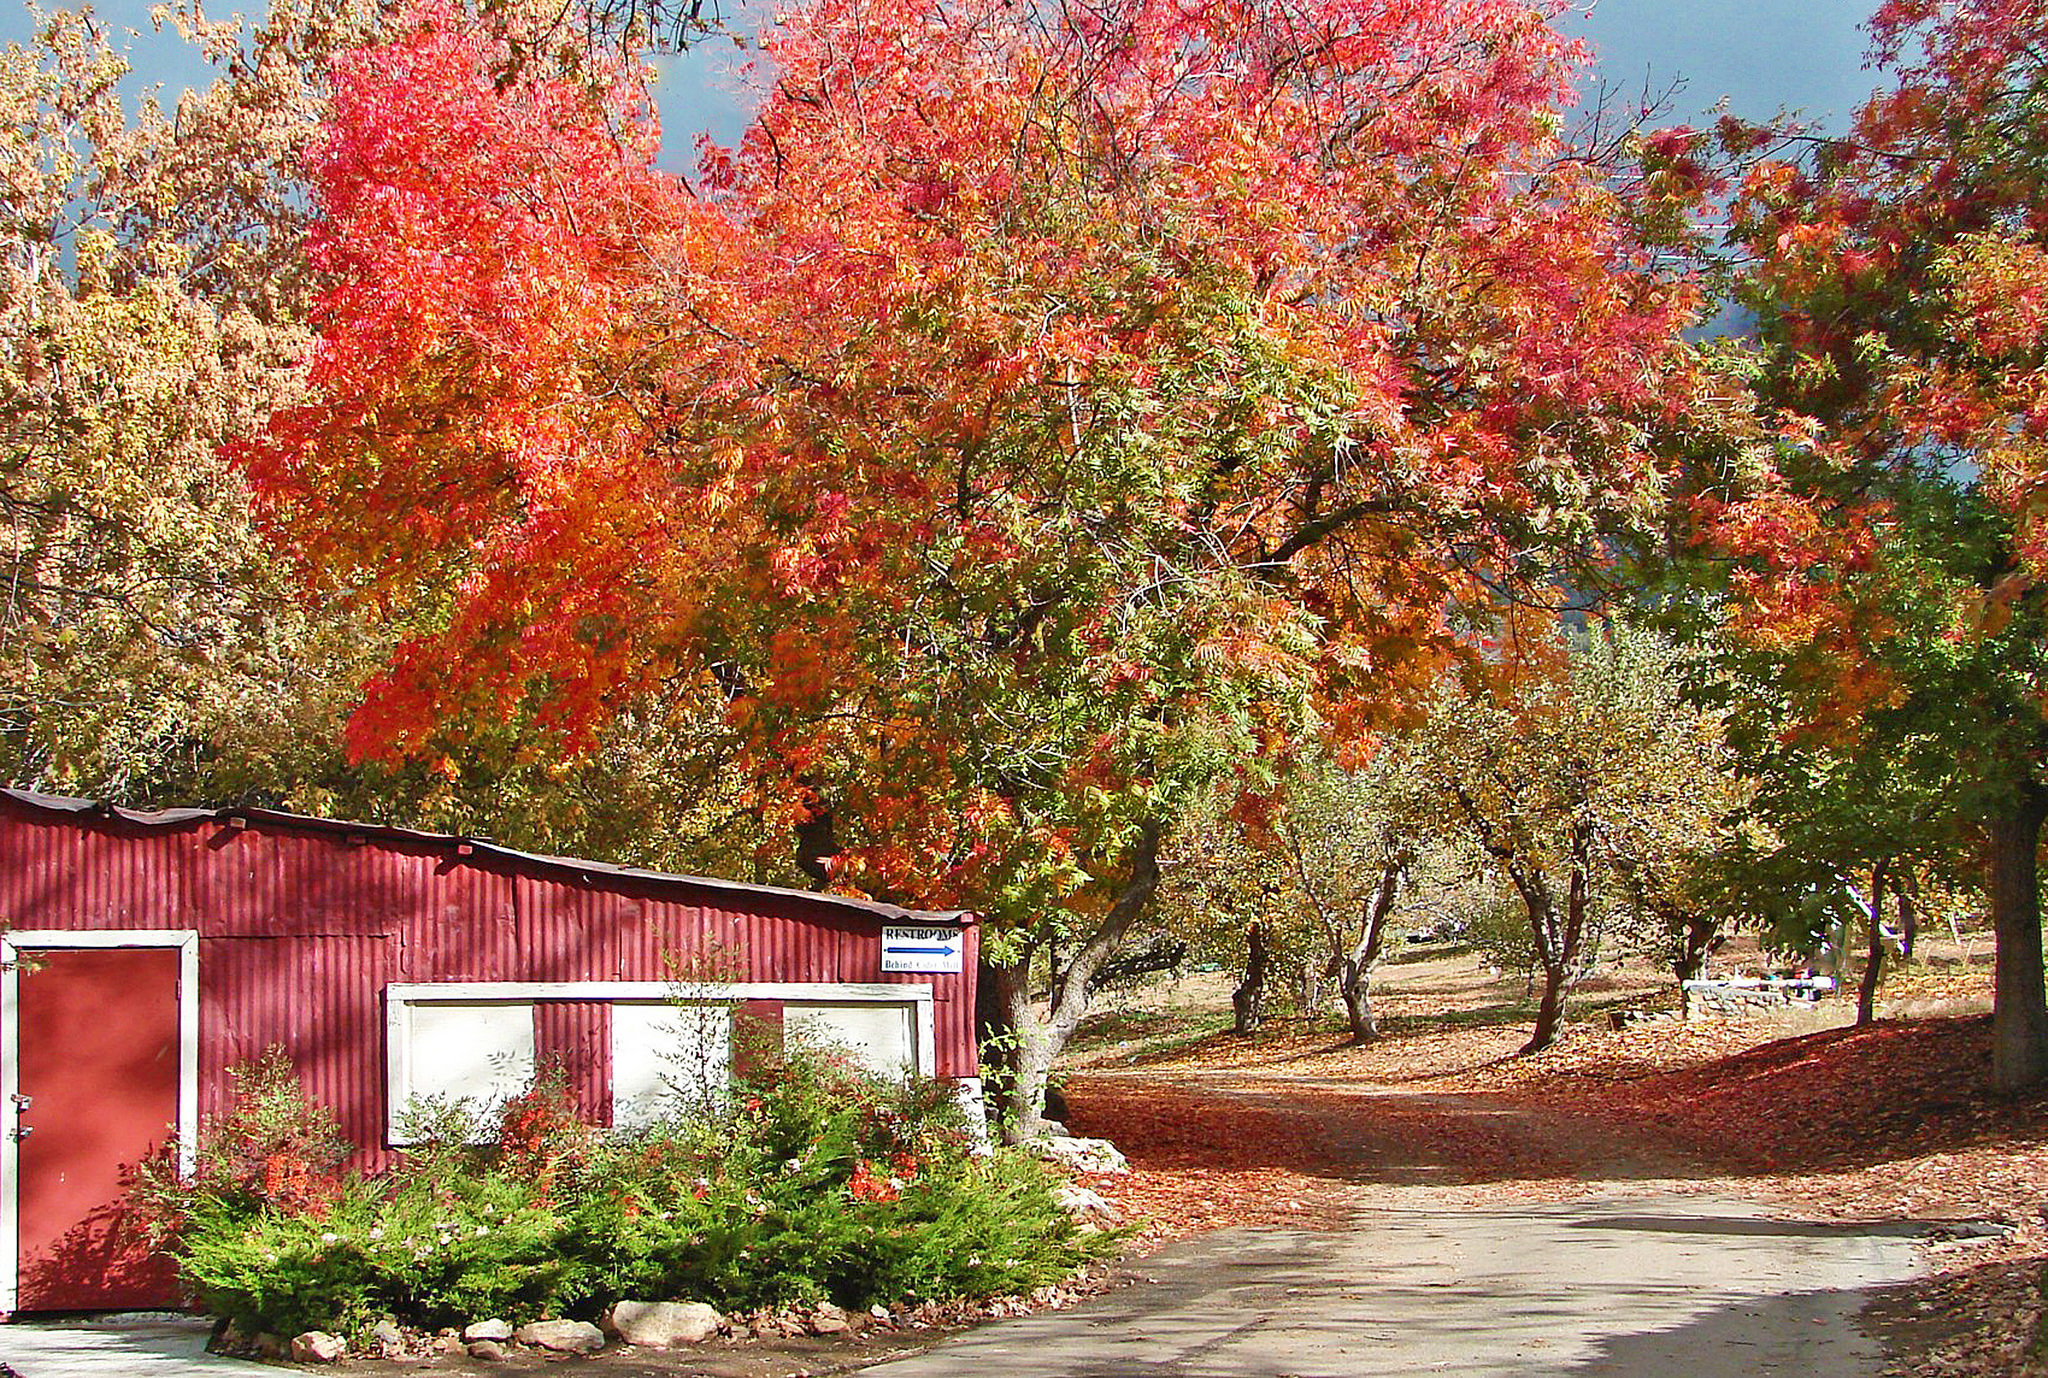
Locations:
{"points": [[1047, 426], [1182, 366], [1886, 586], [1037, 414]]}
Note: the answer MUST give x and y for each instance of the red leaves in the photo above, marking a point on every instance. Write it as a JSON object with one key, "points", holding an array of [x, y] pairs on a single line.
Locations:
{"points": [[291, 1183], [1237, 1134], [1904, 298], [1204, 1162], [1031, 392], [1882, 1093], [868, 1184], [478, 246], [437, 223]]}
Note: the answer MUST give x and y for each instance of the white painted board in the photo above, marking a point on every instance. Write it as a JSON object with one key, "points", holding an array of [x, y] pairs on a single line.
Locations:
{"points": [[667, 1060], [481, 1053], [881, 1038]]}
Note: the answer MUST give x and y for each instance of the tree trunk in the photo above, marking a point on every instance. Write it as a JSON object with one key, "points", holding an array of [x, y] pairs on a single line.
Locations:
{"points": [[1873, 961], [1031, 1056], [1908, 889], [1248, 1001], [1038, 1043], [1558, 943], [1543, 927], [1356, 989], [1693, 938], [817, 840], [1549, 1010], [1359, 962], [2019, 1017]]}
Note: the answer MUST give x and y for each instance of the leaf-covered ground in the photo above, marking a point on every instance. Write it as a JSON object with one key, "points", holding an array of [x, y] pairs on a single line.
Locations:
{"points": [[1890, 1121]]}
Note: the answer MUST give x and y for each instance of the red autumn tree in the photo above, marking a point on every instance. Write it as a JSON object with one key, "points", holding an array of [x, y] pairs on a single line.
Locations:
{"points": [[1042, 415], [1889, 587]]}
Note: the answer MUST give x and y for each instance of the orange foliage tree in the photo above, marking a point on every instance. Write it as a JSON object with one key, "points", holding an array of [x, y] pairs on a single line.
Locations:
{"points": [[1045, 412]]}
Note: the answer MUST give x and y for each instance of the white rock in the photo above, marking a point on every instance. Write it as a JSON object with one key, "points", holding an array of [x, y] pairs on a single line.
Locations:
{"points": [[1078, 1155], [317, 1347], [1079, 1201], [387, 1340], [492, 1329], [658, 1324], [564, 1337]]}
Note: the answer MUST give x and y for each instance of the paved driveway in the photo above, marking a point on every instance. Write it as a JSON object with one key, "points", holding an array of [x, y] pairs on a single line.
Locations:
{"points": [[1643, 1286], [124, 1347]]}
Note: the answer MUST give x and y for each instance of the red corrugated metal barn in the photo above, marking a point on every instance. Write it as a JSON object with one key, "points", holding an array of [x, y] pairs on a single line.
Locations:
{"points": [[142, 955]]}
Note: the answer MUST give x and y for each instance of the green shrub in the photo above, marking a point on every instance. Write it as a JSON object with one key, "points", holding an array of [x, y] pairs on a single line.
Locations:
{"points": [[810, 1181], [276, 1270], [818, 1181], [274, 1149], [250, 1226]]}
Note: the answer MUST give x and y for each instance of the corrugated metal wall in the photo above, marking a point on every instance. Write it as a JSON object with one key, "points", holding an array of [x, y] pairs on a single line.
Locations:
{"points": [[320, 996], [301, 930], [573, 1035]]}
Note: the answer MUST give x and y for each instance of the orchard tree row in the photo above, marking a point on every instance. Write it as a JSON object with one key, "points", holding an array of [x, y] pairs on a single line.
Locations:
{"points": [[1054, 435], [1582, 806]]}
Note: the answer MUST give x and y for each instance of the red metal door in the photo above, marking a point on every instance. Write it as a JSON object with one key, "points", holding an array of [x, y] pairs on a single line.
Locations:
{"points": [[98, 1056]]}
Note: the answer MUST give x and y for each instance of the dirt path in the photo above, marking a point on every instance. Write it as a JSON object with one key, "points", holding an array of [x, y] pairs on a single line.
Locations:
{"points": [[1276, 1147], [1828, 1128]]}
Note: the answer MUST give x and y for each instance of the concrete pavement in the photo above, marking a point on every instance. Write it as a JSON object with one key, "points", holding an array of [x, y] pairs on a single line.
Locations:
{"points": [[117, 1347], [1628, 1286]]}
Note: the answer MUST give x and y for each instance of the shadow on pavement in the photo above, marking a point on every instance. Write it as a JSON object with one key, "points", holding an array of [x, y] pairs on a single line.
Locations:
{"points": [[1738, 1225], [1503, 1293], [1813, 1334]]}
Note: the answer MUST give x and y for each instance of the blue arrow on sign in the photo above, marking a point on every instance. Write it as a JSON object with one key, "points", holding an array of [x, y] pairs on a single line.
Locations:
{"points": [[921, 949]]}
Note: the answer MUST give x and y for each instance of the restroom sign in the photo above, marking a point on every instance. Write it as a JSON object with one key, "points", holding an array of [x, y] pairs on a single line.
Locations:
{"points": [[918, 948]]}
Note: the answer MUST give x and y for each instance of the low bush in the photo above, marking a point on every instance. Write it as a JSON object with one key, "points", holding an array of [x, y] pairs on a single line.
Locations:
{"points": [[810, 1181]]}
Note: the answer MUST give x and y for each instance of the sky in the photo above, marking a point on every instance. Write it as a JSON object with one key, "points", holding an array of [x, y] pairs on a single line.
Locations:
{"points": [[1762, 55]]}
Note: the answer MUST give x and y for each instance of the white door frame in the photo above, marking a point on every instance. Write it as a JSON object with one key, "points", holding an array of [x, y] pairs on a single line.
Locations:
{"points": [[12, 945]]}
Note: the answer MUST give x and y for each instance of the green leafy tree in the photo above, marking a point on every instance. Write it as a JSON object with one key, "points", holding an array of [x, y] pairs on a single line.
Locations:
{"points": [[1574, 767], [1352, 842], [1840, 833], [1887, 550]]}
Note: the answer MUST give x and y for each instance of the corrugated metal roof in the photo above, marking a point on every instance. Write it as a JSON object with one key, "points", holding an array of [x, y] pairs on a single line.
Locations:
{"points": [[587, 870]]}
